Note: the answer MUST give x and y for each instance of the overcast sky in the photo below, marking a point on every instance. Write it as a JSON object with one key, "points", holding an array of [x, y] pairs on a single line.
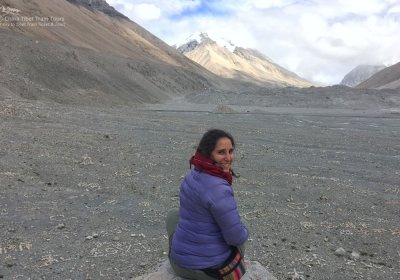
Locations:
{"points": [[319, 40]]}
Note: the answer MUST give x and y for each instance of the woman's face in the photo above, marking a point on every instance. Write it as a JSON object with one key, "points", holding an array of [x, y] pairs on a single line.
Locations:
{"points": [[223, 153]]}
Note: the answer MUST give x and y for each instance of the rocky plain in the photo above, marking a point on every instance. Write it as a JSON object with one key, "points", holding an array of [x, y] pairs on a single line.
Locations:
{"points": [[98, 120], [85, 189]]}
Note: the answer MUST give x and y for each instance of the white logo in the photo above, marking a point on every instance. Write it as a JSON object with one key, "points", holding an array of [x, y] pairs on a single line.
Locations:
{"points": [[9, 11]]}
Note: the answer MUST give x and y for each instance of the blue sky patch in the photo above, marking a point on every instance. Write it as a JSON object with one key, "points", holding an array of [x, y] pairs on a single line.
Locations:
{"points": [[210, 8]]}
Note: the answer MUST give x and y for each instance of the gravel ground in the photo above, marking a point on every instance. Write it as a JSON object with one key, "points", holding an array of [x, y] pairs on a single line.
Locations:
{"points": [[84, 190]]}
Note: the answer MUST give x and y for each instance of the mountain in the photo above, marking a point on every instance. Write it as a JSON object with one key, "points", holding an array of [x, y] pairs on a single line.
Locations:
{"points": [[99, 5], [83, 51], [360, 74], [225, 59], [388, 78]]}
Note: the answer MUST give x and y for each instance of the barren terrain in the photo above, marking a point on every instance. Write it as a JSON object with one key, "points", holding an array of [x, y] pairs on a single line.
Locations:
{"points": [[85, 190], [95, 138]]}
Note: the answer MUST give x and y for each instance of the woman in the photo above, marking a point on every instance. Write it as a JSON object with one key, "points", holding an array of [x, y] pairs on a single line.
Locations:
{"points": [[206, 235]]}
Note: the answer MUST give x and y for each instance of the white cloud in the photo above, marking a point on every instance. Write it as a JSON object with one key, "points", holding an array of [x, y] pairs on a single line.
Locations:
{"points": [[147, 11], [262, 4], [361, 7], [319, 40]]}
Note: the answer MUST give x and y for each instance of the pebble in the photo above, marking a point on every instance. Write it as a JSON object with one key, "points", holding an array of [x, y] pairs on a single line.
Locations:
{"points": [[10, 263], [138, 235], [354, 255], [340, 251], [61, 226], [95, 235], [309, 248], [89, 237]]}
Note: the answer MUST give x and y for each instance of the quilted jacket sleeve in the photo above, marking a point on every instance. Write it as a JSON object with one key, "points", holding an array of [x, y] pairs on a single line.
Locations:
{"points": [[224, 210]]}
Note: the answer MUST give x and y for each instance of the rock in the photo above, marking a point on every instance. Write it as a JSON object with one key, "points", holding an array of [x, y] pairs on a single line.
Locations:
{"points": [[61, 226], [224, 109], [255, 271], [115, 238], [354, 255], [340, 251], [10, 263]]}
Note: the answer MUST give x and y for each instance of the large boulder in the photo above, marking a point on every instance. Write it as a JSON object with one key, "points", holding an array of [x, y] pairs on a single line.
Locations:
{"points": [[255, 271]]}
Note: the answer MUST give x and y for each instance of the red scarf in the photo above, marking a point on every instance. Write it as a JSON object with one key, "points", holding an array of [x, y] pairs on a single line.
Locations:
{"points": [[208, 166]]}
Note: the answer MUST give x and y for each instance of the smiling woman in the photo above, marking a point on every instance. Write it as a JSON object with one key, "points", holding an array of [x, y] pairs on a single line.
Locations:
{"points": [[206, 236]]}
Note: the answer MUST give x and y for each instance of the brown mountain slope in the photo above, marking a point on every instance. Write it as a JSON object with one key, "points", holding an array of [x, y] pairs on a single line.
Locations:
{"points": [[90, 57], [92, 29], [388, 78]]}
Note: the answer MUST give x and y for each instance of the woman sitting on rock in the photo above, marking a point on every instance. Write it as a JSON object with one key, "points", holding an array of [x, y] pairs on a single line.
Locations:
{"points": [[206, 235]]}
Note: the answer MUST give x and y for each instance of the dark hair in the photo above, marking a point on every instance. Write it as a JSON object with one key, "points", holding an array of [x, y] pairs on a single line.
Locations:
{"points": [[209, 141]]}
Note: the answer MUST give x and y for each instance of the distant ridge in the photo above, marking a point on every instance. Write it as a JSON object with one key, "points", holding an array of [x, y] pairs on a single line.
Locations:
{"points": [[360, 73], [223, 58], [99, 5], [388, 78]]}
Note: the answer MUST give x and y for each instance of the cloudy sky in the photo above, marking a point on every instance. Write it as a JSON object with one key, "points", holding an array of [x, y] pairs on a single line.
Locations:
{"points": [[317, 39]]}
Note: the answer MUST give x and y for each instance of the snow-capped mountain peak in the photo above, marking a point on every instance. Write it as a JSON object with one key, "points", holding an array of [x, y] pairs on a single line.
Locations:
{"points": [[198, 38], [223, 58], [226, 44]]}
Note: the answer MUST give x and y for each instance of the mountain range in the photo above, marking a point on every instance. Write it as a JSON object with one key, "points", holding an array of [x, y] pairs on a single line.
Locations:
{"points": [[93, 55], [86, 52], [225, 59]]}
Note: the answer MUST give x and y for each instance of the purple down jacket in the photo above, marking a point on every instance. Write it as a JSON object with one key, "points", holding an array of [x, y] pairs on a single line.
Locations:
{"points": [[209, 222]]}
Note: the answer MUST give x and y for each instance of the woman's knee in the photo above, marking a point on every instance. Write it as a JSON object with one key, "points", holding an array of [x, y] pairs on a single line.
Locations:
{"points": [[172, 221]]}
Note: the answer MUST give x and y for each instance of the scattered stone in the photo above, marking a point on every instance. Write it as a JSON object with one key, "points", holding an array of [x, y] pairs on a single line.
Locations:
{"points": [[164, 272], [89, 237], [296, 275], [323, 198], [224, 109], [86, 160], [61, 226], [354, 255], [138, 235], [309, 248], [340, 251], [115, 238], [95, 235], [10, 263]]}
